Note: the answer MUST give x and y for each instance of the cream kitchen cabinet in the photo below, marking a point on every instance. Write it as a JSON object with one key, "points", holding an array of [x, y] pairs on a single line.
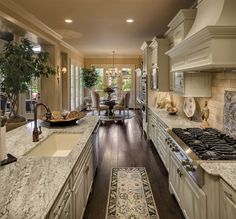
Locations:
{"points": [[193, 199], [192, 84], [157, 134], [175, 180], [67, 212], [63, 204], [227, 201], [79, 196], [190, 197], [159, 64], [88, 176], [72, 200]]}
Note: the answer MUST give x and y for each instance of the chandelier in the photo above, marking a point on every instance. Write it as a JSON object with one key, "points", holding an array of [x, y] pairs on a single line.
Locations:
{"points": [[113, 72]]}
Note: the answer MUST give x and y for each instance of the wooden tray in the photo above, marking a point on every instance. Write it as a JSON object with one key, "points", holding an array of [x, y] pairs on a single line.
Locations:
{"points": [[62, 122]]}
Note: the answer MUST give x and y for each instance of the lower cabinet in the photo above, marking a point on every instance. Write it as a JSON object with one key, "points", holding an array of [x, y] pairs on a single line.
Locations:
{"points": [[67, 212], [72, 200], [175, 181], [79, 196], [157, 135], [227, 201], [88, 177], [190, 197], [63, 207]]}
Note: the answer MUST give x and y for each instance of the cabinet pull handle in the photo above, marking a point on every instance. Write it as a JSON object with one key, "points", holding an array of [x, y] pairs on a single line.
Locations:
{"points": [[87, 169], [179, 172]]}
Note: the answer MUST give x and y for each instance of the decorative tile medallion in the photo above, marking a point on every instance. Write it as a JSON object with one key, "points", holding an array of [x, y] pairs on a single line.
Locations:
{"points": [[130, 195], [229, 123]]}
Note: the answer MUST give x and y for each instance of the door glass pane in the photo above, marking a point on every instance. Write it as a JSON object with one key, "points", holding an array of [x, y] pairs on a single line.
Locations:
{"points": [[32, 95]]}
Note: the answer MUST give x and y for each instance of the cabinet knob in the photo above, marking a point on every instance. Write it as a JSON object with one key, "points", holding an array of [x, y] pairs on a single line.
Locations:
{"points": [[179, 172]]}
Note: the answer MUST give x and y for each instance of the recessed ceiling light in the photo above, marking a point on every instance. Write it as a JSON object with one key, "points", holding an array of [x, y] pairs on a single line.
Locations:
{"points": [[129, 20], [68, 21]]}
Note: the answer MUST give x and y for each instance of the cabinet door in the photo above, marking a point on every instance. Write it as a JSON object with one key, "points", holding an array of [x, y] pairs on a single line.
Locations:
{"points": [[67, 212], [227, 201], [79, 196], [193, 200], [175, 181], [88, 177]]}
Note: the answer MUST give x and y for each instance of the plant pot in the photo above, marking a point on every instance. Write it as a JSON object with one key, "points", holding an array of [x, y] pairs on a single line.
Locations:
{"points": [[3, 154], [12, 125]]}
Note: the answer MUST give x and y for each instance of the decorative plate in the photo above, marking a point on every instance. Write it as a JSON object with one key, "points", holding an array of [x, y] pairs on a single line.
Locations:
{"points": [[189, 106]]}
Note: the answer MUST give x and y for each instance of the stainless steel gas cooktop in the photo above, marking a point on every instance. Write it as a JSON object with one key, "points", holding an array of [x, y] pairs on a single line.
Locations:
{"points": [[208, 144]]}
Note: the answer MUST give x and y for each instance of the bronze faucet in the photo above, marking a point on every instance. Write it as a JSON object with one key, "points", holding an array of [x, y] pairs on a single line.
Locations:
{"points": [[36, 131]]}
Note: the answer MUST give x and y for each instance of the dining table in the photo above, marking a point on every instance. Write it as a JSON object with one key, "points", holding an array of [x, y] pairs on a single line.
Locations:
{"points": [[111, 103]]}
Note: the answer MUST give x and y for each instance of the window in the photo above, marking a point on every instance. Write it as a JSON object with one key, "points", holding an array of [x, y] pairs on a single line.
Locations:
{"points": [[81, 89], [126, 79], [76, 86], [72, 87], [100, 82]]}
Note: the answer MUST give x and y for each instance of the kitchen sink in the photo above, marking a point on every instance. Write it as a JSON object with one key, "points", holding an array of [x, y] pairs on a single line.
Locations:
{"points": [[56, 145]]}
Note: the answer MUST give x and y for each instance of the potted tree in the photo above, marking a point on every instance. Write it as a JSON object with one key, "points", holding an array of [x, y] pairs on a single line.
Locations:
{"points": [[19, 64], [89, 80], [89, 77]]}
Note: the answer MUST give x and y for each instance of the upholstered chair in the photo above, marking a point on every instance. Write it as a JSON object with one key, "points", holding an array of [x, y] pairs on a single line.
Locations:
{"points": [[96, 103], [124, 104]]}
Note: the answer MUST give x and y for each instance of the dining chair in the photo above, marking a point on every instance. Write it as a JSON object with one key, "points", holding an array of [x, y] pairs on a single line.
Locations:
{"points": [[96, 103], [124, 104]]}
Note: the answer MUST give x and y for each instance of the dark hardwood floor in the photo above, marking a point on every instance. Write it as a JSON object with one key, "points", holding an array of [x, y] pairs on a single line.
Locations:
{"points": [[125, 146]]}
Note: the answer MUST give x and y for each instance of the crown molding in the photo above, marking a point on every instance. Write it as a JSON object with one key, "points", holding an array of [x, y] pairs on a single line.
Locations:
{"points": [[145, 45], [182, 15], [18, 10], [110, 56], [71, 48], [25, 15]]}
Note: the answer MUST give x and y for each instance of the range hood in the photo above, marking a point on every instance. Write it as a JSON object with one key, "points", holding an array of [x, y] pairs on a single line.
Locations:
{"points": [[211, 42]]}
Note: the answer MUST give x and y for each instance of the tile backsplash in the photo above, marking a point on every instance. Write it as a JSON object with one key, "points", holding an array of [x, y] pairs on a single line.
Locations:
{"points": [[220, 83], [229, 120]]}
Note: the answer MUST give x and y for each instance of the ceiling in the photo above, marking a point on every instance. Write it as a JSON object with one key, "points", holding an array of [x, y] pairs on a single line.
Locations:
{"points": [[99, 26]]}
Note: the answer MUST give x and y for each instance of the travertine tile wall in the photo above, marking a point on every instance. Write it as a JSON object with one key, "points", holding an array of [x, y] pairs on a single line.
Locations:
{"points": [[220, 82]]}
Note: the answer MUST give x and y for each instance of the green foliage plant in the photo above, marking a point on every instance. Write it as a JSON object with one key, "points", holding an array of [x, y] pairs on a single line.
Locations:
{"points": [[18, 65]]}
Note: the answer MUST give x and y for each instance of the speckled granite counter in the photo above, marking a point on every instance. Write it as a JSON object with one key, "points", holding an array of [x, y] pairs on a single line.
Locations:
{"points": [[29, 187], [174, 121], [225, 169]]}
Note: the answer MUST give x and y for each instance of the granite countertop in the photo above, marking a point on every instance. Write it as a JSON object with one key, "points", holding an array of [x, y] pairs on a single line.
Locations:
{"points": [[30, 186], [174, 121], [224, 169]]}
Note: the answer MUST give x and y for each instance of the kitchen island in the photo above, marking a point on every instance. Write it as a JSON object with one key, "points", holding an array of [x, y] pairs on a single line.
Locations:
{"points": [[30, 187]]}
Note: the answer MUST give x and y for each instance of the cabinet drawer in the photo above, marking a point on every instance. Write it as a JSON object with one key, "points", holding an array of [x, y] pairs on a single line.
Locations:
{"points": [[61, 201], [227, 201]]}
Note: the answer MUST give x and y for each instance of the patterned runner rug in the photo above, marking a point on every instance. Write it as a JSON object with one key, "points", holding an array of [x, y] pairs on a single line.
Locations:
{"points": [[130, 195]]}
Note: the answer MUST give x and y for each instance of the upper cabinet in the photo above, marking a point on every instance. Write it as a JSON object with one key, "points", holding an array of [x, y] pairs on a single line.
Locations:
{"points": [[208, 42], [180, 26], [159, 72], [192, 84]]}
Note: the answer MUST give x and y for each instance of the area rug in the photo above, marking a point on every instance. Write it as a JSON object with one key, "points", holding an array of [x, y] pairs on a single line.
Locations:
{"points": [[130, 195]]}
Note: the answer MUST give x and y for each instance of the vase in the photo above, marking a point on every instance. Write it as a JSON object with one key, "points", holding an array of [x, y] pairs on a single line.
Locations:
{"points": [[3, 154]]}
